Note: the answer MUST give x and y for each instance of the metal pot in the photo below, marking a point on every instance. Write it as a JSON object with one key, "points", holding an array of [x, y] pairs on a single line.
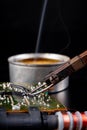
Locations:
{"points": [[32, 73]]}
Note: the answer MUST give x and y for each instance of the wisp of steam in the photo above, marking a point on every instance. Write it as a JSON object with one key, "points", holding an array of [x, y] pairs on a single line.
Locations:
{"points": [[41, 28]]}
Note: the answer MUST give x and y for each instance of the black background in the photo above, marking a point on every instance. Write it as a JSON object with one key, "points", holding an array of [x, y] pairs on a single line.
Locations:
{"points": [[64, 31]]}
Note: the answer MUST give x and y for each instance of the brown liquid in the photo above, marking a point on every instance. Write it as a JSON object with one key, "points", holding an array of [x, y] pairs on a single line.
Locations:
{"points": [[39, 61]]}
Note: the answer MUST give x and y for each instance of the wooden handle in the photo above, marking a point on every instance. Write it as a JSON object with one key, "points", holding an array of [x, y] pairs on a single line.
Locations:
{"points": [[67, 69], [79, 61]]}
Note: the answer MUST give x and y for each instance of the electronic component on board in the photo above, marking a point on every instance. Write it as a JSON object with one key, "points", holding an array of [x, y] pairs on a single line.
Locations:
{"points": [[14, 97]]}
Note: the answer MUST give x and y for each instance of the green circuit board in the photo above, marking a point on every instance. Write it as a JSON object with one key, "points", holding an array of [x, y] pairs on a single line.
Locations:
{"points": [[13, 98]]}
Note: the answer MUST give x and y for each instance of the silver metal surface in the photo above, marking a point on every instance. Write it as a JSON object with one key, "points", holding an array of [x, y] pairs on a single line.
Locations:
{"points": [[33, 73]]}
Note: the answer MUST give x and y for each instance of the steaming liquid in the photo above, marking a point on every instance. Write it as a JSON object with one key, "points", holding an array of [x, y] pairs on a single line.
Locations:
{"points": [[38, 61]]}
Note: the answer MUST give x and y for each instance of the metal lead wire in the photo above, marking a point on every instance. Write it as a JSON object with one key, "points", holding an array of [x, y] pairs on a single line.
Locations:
{"points": [[40, 91], [34, 92], [38, 87]]}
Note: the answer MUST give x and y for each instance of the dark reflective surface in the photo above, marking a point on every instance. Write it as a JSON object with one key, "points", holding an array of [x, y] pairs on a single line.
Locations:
{"points": [[75, 96]]}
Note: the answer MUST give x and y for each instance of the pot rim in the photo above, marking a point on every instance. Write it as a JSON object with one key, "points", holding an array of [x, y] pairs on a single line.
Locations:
{"points": [[14, 59]]}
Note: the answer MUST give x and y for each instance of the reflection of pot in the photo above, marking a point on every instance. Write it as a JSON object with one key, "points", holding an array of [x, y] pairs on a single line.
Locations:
{"points": [[21, 72]]}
